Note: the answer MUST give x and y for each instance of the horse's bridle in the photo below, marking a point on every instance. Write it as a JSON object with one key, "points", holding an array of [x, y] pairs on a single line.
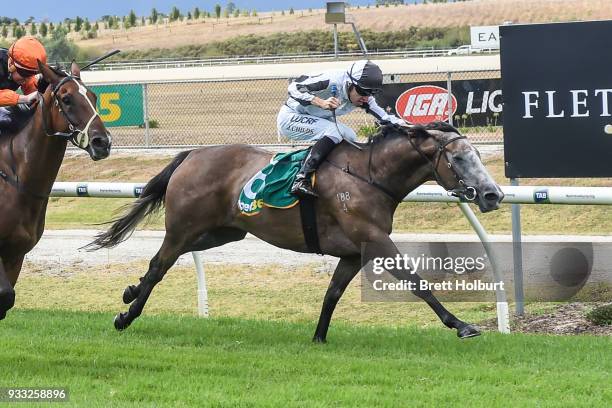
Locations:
{"points": [[78, 137], [464, 192]]}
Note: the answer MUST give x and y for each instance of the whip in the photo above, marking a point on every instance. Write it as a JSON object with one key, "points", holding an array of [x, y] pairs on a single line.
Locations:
{"points": [[110, 54]]}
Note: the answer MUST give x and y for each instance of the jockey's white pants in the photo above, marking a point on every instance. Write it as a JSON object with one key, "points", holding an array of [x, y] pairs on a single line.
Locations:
{"points": [[307, 128]]}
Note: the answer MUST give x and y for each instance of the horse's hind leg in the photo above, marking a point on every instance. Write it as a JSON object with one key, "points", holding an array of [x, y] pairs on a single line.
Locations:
{"points": [[167, 255], [215, 238], [345, 271]]}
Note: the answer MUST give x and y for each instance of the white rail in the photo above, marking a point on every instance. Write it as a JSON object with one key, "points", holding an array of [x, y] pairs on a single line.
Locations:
{"points": [[426, 193]]}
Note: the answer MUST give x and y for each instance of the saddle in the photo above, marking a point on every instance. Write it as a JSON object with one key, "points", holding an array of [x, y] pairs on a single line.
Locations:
{"points": [[271, 187]]}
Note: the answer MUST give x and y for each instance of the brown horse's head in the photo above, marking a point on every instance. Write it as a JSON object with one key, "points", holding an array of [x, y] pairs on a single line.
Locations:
{"points": [[457, 165], [72, 112]]}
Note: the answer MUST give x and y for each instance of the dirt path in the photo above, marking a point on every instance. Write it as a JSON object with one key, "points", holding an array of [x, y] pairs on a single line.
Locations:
{"points": [[62, 246]]}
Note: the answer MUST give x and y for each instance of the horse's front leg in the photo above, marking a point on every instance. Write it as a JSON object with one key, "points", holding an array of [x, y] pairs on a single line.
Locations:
{"points": [[345, 271], [9, 271], [378, 244]]}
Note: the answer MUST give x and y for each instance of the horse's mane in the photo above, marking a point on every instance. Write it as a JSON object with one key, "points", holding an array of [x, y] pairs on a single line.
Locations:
{"points": [[390, 130], [21, 116]]}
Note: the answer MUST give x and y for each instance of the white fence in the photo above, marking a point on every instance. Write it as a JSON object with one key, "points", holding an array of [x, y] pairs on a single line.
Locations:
{"points": [[426, 193]]}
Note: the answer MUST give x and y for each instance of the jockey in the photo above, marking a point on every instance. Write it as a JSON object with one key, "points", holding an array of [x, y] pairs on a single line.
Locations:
{"points": [[308, 113], [18, 69]]}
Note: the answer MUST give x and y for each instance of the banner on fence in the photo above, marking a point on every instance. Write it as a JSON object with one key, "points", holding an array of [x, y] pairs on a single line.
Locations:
{"points": [[475, 102], [120, 105]]}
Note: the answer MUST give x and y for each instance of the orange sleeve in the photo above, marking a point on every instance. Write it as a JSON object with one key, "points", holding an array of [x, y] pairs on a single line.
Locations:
{"points": [[30, 85], [8, 97]]}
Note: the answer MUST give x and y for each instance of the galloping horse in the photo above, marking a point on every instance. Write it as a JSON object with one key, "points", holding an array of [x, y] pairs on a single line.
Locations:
{"points": [[30, 159], [200, 190]]}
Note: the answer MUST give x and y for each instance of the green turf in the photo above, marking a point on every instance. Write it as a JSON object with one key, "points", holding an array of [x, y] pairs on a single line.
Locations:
{"points": [[185, 361]]}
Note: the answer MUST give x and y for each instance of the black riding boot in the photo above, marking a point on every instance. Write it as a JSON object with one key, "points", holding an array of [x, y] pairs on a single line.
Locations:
{"points": [[317, 154]]}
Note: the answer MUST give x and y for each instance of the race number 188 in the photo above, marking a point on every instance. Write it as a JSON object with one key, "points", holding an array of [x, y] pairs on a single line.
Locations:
{"points": [[33, 394]]}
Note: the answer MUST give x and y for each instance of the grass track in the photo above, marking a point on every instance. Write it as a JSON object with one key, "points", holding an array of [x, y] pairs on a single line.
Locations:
{"points": [[185, 361]]}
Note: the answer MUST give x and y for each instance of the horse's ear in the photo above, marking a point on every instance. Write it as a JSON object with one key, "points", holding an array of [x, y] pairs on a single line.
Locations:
{"points": [[47, 73], [75, 70]]}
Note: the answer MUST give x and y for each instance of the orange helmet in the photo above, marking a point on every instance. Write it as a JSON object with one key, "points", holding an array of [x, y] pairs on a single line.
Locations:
{"points": [[23, 55]]}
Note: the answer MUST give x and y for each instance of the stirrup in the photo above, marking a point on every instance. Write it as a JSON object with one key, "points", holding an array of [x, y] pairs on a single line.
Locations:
{"points": [[302, 188]]}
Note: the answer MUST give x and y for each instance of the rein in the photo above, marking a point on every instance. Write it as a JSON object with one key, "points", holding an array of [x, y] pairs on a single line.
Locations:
{"points": [[368, 180], [461, 192]]}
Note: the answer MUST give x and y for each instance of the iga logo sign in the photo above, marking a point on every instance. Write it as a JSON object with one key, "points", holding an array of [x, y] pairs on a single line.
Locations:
{"points": [[424, 104]]}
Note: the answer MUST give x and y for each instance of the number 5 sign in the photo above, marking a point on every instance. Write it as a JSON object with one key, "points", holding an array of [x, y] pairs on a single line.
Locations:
{"points": [[120, 105]]}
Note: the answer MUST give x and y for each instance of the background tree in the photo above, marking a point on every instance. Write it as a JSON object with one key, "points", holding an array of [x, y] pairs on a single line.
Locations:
{"points": [[8, 21], [43, 30], [196, 13], [20, 32], [154, 16], [218, 10], [86, 25], [4, 31], [78, 24], [175, 14], [230, 7], [59, 48], [132, 18], [33, 29]]}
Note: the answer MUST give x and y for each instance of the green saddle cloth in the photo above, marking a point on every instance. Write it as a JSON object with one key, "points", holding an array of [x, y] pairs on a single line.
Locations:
{"points": [[271, 186]]}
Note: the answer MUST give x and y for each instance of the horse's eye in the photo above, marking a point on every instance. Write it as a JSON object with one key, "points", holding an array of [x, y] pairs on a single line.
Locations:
{"points": [[66, 99]]}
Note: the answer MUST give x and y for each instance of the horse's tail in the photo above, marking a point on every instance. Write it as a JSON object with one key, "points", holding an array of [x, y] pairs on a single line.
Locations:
{"points": [[151, 200]]}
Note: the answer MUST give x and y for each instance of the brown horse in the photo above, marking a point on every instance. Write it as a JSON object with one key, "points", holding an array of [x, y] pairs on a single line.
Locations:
{"points": [[30, 158], [200, 190]]}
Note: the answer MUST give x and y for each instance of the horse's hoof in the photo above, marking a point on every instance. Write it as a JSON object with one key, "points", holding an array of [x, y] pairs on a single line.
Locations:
{"points": [[318, 339], [120, 321], [129, 294], [468, 331]]}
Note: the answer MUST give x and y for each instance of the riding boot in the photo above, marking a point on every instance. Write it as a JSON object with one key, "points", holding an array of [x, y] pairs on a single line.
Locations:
{"points": [[302, 185]]}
